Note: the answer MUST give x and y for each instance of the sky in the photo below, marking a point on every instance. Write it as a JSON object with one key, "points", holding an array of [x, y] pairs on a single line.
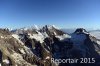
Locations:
{"points": [[62, 13]]}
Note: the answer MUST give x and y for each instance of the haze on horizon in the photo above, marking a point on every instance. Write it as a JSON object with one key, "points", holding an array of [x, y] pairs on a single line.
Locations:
{"points": [[62, 13]]}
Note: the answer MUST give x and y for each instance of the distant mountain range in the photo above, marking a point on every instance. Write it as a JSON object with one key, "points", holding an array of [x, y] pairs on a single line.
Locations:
{"points": [[36, 46]]}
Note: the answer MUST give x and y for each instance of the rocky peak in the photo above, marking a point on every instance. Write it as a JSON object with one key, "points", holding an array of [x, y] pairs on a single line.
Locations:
{"points": [[80, 30], [51, 30]]}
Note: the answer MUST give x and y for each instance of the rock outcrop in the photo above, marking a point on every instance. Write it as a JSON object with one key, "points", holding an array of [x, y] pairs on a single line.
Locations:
{"points": [[32, 47]]}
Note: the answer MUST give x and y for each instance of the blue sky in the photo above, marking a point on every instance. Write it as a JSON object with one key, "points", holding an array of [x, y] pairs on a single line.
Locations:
{"points": [[62, 13]]}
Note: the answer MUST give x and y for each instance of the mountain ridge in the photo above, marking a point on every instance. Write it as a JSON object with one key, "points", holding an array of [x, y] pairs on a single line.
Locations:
{"points": [[35, 47]]}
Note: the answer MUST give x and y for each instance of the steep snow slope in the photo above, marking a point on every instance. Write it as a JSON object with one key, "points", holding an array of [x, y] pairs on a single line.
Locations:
{"points": [[17, 37], [38, 37]]}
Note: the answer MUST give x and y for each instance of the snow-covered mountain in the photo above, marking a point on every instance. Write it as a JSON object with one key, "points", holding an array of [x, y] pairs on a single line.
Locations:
{"points": [[36, 46]]}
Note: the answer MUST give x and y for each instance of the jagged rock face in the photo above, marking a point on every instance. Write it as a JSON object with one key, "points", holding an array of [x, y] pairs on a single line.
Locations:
{"points": [[35, 48], [50, 30], [11, 51], [39, 51]]}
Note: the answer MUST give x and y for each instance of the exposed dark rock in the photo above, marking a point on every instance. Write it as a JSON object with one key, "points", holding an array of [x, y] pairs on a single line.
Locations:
{"points": [[80, 30], [22, 50]]}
